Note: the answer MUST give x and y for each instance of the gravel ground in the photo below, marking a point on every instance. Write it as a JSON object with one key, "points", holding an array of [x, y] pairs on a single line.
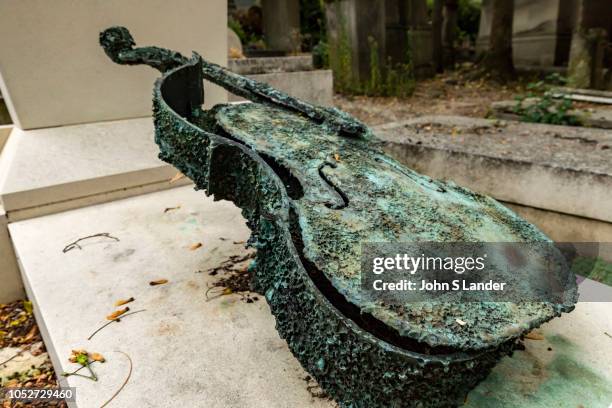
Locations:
{"points": [[452, 93]]}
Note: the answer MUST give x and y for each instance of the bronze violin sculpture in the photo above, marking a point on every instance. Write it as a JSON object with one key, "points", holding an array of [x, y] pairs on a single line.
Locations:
{"points": [[313, 187]]}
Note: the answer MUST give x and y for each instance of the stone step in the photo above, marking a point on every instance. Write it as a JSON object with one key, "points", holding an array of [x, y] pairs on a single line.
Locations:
{"points": [[188, 351], [54, 169]]}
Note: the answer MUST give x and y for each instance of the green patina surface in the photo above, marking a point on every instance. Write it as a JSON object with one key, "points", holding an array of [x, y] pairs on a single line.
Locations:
{"points": [[312, 188], [382, 201], [550, 375]]}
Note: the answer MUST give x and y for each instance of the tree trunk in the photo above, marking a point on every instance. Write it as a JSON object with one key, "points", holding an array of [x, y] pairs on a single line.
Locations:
{"points": [[498, 59], [437, 34]]}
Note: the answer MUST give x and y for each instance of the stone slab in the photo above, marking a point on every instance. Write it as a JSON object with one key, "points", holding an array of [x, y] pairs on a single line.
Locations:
{"points": [[53, 72], [188, 351], [558, 168], [267, 65], [11, 287], [53, 169], [315, 86]]}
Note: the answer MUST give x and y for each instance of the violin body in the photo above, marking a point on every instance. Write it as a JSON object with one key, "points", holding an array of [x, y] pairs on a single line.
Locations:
{"points": [[313, 187]]}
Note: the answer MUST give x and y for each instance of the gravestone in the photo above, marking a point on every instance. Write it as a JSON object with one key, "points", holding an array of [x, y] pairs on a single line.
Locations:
{"points": [[281, 24], [50, 65], [52, 75], [393, 31]]}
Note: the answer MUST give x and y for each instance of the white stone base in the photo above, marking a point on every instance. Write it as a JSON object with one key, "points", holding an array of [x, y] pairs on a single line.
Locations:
{"points": [[190, 352]]}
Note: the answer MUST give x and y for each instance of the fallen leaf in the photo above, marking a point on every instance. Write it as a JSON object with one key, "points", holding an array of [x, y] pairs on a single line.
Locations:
{"points": [[122, 302], [534, 336], [177, 177], [171, 208], [195, 246], [337, 157], [27, 306], [31, 334], [117, 313], [98, 357], [158, 282], [460, 322]]}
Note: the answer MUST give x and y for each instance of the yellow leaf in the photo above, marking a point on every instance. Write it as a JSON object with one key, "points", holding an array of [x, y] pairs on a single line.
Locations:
{"points": [[122, 302], [177, 177], [98, 357], [27, 306], [158, 282], [337, 157], [195, 246], [117, 313]]}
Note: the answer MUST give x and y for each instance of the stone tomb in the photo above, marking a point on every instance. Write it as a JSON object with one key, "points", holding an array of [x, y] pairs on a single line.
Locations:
{"points": [[191, 351], [557, 177]]}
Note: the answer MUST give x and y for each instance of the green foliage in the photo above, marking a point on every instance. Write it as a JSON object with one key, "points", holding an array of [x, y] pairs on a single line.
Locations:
{"points": [[468, 19], [392, 79], [320, 55], [538, 106], [395, 79], [340, 60], [312, 24], [237, 28], [246, 36]]}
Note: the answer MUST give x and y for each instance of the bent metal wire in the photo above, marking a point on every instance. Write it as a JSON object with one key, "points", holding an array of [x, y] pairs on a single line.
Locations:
{"points": [[313, 187]]}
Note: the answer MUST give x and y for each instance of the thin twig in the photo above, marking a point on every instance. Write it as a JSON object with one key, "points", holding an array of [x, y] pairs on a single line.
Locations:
{"points": [[75, 244], [92, 377], [608, 334], [115, 320], [19, 353], [124, 382]]}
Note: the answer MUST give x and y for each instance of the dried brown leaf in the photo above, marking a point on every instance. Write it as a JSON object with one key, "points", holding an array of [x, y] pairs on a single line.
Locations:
{"points": [[98, 357], [33, 331], [195, 246], [158, 282], [117, 313], [122, 302]]}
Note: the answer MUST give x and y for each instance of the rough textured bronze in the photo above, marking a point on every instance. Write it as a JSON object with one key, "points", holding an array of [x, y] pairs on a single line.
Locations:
{"points": [[313, 187]]}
